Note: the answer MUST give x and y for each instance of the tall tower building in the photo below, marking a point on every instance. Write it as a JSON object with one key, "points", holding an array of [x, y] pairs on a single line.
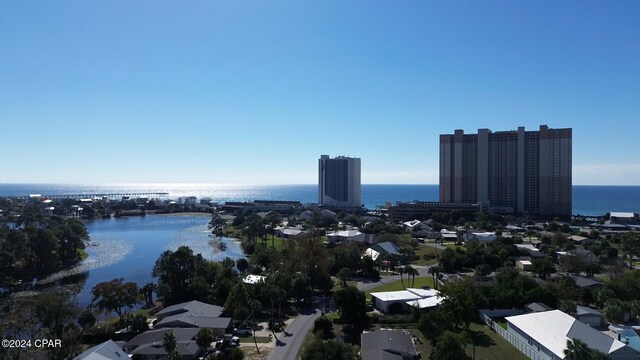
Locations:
{"points": [[339, 182], [525, 172]]}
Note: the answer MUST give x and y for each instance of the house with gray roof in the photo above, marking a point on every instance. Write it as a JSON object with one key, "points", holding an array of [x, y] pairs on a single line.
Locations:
{"points": [[108, 350], [192, 314], [387, 247], [148, 345], [387, 345], [589, 316], [536, 307]]}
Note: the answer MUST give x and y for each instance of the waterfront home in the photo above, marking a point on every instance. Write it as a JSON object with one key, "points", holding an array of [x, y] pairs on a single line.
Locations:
{"points": [[149, 344], [107, 350], [193, 314]]}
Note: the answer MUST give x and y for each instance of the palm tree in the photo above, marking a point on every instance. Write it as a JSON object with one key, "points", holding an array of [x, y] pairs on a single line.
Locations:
{"points": [[401, 271], [434, 271], [204, 338], [410, 271], [578, 350], [169, 343]]}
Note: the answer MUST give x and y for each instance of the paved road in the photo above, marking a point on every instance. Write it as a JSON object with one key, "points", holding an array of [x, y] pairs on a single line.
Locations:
{"points": [[290, 341]]}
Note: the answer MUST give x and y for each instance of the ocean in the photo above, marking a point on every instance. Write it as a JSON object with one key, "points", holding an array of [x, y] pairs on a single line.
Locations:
{"points": [[587, 200]]}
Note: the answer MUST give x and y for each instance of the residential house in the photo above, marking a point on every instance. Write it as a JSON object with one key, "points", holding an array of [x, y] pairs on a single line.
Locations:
{"points": [[387, 345], [536, 307], [328, 213], [398, 301], [544, 335], [148, 345], [524, 265], [589, 316], [480, 236], [192, 314], [290, 232], [108, 350], [347, 236]]}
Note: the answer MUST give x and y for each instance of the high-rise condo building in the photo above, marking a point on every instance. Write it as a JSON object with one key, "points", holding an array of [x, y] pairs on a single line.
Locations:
{"points": [[339, 182], [524, 172]]}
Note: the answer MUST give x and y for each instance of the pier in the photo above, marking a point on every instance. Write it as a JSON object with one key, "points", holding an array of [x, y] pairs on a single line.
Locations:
{"points": [[87, 195]]}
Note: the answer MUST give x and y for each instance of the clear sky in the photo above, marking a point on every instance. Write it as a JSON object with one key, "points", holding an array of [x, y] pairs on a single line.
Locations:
{"points": [[255, 91]]}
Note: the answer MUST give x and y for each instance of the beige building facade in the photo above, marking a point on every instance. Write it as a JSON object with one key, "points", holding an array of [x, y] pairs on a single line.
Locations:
{"points": [[524, 172]]}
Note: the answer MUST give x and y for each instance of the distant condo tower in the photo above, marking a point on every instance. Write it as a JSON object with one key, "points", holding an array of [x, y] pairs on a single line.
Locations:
{"points": [[339, 182], [524, 172]]}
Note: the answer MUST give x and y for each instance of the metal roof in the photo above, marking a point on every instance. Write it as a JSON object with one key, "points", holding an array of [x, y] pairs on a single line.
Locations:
{"points": [[553, 328]]}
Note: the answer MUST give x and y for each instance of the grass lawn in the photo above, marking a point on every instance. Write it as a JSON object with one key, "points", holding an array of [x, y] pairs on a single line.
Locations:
{"points": [[397, 285], [426, 250], [259, 339], [488, 345]]}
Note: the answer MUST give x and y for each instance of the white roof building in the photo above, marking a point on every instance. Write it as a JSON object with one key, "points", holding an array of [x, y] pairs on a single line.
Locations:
{"points": [[421, 298], [253, 279], [547, 334], [619, 214]]}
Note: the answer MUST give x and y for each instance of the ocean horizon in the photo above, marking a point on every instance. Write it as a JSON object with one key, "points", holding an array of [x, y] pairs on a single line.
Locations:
{"points": [[587, 199]]}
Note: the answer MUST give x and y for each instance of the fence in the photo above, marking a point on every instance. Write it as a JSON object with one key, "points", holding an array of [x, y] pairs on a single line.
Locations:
{"points": [[524, 348]]}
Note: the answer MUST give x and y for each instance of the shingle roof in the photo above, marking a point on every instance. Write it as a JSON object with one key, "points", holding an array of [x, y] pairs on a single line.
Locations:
{"points": [[386, 345], [387, 247], [150, 342], [584, 310], [538, 307], [191, 306], [108, 350]]}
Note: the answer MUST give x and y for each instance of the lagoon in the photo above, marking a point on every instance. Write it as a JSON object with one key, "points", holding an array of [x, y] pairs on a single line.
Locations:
{"points": [[129, 247]]}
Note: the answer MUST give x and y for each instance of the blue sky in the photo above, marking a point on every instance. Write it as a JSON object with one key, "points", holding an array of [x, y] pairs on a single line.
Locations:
{"points": [[254, 91]]}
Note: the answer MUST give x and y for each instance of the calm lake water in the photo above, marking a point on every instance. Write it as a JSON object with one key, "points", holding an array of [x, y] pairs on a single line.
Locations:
{"points": [[129, 247]]}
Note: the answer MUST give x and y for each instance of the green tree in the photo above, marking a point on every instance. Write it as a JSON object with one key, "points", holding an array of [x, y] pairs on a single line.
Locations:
{"points": [[183, 276], [352, 307], [343, 275], [411, 271], [568, 307], [433, 324], [329, 349], [458, 302], [238, 303], [147, 293], [450, 347], [242, 264], [614, 310], [542, 268], [578, 350], [204, 338], [86, 319], [631, 247], [435, 270], [323, 328], [114, 295], [169, 343]]}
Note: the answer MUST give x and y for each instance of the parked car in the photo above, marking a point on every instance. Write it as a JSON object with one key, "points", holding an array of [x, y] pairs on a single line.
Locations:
{"points": [[243, 331]]}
